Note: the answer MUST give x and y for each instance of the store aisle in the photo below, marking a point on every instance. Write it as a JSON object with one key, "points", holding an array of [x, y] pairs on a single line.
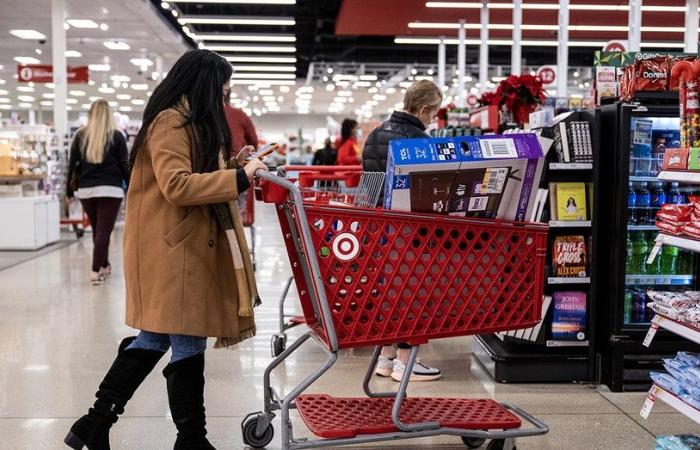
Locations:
{"points": [[58, 335]]}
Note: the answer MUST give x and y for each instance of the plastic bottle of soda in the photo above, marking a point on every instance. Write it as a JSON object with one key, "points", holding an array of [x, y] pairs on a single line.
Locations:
{"points": [[643, 203], [629, 267], [632, 204], [674, 194], [639, 306], [639, 255], [658, 195], [669, 260], [627, 317], [655, 267]]}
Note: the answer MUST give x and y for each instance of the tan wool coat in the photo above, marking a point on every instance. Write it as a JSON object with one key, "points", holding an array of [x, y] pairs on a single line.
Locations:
{"points": [[178, 262]]}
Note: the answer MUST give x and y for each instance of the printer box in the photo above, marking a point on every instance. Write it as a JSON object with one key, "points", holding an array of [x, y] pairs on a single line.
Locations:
{"points": [[489, 176]]}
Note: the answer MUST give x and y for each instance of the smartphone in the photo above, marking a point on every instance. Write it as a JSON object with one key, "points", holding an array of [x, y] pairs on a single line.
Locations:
{"points": [[264, 151]]}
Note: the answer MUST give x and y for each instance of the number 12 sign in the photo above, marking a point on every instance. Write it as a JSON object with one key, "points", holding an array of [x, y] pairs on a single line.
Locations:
{"points": [[548, 75]]}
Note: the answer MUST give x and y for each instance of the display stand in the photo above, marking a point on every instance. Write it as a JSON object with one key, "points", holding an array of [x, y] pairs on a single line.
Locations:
{"points": [[658, 393], [28, 223], [544, 358]]}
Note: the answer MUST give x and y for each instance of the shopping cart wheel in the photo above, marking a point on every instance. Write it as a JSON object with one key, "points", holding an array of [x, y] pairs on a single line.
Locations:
{"points": [[251, 439], [473, 442], [79, 233], [502, 444], [279, 344]]}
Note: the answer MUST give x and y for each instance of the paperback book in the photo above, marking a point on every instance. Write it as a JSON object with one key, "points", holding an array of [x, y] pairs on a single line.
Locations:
{"points": [[568, 201], [569, 258]]}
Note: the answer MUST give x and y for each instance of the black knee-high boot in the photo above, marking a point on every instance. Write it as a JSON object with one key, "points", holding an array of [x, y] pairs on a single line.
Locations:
{"points": [[128, 371], [185, 380]]}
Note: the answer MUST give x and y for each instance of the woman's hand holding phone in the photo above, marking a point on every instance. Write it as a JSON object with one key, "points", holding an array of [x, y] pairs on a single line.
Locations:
{"points": [[253, 166]]}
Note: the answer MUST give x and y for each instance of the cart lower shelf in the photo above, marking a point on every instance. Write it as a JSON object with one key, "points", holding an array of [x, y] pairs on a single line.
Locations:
{"points": [[331, 417]]}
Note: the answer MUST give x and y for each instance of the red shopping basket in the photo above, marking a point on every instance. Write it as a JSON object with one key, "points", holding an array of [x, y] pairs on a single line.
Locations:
{"points": [[394, 276]]}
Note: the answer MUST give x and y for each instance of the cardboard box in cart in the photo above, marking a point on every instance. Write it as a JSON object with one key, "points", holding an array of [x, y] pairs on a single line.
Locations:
{"points": [[475, 176]]}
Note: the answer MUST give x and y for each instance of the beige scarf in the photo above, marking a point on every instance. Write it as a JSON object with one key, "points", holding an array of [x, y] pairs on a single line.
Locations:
{"points": [[229, 218]]}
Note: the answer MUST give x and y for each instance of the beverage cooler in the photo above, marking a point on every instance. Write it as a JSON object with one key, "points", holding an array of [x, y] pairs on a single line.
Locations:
{"points": [[632, 139]]}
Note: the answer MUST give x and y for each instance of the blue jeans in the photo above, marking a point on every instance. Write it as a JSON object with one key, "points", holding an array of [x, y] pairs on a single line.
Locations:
{"points": [[182, 346]]}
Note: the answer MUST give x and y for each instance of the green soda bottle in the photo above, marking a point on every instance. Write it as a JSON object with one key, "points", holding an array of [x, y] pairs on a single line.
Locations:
{"points": [[655, 267], [639, 254], [629, 267], [669, 260], [685, 262]]}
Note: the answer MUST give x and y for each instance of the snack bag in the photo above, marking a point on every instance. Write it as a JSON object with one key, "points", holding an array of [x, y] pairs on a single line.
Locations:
{"points": [[669, 228], [650, 75], [667, 382], [691, 359], [676, 159]]}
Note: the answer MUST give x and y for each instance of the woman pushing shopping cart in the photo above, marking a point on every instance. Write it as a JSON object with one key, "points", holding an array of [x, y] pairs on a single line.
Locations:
{"points": [[368, 277]]}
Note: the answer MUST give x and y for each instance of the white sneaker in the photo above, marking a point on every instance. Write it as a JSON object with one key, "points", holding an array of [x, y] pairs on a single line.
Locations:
{"points": [[384, 367], [421, 371]]}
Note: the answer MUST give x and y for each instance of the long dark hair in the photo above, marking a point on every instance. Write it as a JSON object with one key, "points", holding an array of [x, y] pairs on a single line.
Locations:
{"points": [[199, 77], [346, 129]]}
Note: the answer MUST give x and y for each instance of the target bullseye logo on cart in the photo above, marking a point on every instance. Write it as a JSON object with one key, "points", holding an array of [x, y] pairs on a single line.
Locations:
{"points": [[346, 246]]}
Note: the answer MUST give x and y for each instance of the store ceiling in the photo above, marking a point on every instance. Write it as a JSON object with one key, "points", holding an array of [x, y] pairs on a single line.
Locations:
{"points": [[134, 22]]}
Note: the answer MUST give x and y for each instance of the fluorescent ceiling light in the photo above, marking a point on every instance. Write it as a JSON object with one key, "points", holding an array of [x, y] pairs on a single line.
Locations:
{"points": [[265, 68], [27, 60], [125, 108], [94, 98], [252, 48], [25, 98], [139, 87], [5, 107], [99, 67], [264, 82], [138, 102], [141, 62], [113, 104], [71, 101], [234, 20], [48, 95], [123, 96], [28, 34], [106, 90], [25, 88], [46, 103], [82, 23], [73, 54], [262, 59], [241, 2], [25, 105], [245, 37], [270, 76], [120, 78], [3, 82], [77, 93], [116, 45], [5, 100]]}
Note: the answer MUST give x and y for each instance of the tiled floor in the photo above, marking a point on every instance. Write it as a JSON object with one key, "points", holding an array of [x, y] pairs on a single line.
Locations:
{"points": [[58, 335]]}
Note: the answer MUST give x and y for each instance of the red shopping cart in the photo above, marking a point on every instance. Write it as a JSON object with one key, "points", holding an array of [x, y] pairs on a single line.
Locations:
{"points": [[320, 183], [368, 277], [246, 205]]}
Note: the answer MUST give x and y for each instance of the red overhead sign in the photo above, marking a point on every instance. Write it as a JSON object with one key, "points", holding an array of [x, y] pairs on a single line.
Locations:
{"points": [[38, 73]]}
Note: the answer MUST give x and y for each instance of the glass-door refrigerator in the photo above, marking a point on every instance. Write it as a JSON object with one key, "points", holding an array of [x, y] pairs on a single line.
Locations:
{"points": [[632, 138]]}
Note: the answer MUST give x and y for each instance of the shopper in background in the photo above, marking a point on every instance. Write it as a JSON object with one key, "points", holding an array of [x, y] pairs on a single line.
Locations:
{"points": [[421, 102], [349, 150], [99, 169], [186, 263], [242, 129], [325, 156]]}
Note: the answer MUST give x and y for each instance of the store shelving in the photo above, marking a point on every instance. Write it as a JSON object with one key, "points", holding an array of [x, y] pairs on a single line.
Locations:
{"points": [[642, 227], [680, 176], [570, 166], [569, 223], [658, 393], [678, 241], [672, 280], [569, 280], [553, 343], [635, 178], [681, 329]]}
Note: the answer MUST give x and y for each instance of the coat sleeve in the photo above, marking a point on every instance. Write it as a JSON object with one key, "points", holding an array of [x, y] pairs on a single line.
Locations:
{"points": [[346, 154], [72, 162], [122, 155], [169, 149]]}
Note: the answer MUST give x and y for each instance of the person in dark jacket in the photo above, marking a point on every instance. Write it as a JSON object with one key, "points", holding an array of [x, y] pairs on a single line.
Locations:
{"points": [[421, 103], [100, 159], [325, 156]]}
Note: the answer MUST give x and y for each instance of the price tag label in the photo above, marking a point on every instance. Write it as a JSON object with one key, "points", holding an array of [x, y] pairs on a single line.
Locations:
{"points": [[648, 403], [654, 252], [650, 335]]}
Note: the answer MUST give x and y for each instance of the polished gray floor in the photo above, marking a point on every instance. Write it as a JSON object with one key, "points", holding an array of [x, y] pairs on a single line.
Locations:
{"points": [[58, 336]]}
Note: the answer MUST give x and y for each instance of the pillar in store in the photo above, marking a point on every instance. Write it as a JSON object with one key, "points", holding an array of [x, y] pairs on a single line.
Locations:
{"points": [[634, 20], [484, 48], [159, 68], [563, 49], [441, 62], [516, 50], [691, 26], [462, 64], [60, 78]]}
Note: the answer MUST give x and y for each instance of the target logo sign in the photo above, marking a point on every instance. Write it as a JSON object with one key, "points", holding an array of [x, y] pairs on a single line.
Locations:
{"points": [[548, 75], [615, 46], [346, 246], [26, 74]]}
